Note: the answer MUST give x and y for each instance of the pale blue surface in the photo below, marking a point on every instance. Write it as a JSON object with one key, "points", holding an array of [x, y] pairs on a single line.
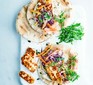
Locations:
{"points": [[10, 40]]}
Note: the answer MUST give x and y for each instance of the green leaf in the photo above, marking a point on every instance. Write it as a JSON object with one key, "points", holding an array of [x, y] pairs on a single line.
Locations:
{"points": [[60, 68], [73, 58], [37, 52], [47, 16], [71, 33], [72, 61], [52, 64], [40, 19], [61, 15], [60, 19], [71, 75], [59, 58]]}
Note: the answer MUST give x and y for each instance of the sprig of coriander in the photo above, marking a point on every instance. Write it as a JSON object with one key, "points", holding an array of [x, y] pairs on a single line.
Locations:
{"points": [[71, 33]]}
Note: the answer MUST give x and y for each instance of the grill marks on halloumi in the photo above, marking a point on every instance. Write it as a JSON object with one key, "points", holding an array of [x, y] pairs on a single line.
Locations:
{"points": [[28, 60], [26, 77]]}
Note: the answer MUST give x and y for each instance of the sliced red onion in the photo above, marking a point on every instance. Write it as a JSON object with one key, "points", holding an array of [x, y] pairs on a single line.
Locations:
{"points": [[51, 22], [51, 58], [50, 52], [43, 64]]}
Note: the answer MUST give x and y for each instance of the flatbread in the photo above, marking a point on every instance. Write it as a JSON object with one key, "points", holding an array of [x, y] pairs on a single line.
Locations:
{"points": [[26, 77], [68, 52], [57, 9], [24, 29]]}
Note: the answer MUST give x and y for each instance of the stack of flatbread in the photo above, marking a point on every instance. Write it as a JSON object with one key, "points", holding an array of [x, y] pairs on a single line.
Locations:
{"points": [[27, 27]]}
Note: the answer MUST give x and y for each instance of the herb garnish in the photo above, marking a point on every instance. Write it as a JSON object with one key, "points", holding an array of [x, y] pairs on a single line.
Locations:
{"points": [[60, 19], [40, 19], [73, 58], [38, 78], [47, 16], [57, 43], [59, 59], [52, 64], [61, 67], [29, 41], [72, 61], [71, 75], [47, 44], [40, 72], [37, 52], [70, 33]]}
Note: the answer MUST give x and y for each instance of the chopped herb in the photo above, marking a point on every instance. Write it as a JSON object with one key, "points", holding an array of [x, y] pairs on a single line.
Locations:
{"points": [[52, 64], [71, 75], [71, 64], [47, 16], [40, 72], [29, 41], [57, 43], [72, 61], [45, 35], [38, 78], [73, 58], [59, 59], [60, 68], [60, 19], [61, 15], [47, 44], [40, 19], [37, 52], [70, 33]]}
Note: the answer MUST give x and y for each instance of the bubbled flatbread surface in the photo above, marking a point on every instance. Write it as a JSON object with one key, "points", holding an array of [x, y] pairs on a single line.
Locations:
{"points": [[25, 29]]}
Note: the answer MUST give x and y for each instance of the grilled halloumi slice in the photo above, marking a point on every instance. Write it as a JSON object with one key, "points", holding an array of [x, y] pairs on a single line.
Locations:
{"points": [[52, 73], [26, 77], [30, 51], [28, 60]]}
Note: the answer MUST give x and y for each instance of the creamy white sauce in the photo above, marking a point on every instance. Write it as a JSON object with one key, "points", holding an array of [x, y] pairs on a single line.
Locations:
{"points": [[57, 7]]}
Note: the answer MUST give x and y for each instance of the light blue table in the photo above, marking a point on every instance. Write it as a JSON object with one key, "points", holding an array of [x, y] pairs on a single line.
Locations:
{"points": [[10, 40]]}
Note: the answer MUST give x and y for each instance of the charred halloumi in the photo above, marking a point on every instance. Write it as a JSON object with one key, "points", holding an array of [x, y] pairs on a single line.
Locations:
{"points": [[26, 77], [28, 60]]}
